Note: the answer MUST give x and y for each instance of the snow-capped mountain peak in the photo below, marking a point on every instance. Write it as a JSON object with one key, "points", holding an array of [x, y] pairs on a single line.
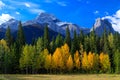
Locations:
{"points": [[46, 18], [101, 25], [12, 23]]}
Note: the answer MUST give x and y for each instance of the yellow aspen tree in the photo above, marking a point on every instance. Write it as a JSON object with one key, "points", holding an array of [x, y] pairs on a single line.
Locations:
{"points": [[57, 59], [90, 60], [104, 62], [69, 63], [77, 60], [85, 61], [65, 54]]}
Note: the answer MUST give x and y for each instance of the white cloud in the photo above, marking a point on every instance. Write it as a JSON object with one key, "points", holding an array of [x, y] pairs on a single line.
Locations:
{"points": [[36, 11], [96, 12], [5, 17], [115, 20], [27, 5], [17, 12], [1, 4], [62, 3]]}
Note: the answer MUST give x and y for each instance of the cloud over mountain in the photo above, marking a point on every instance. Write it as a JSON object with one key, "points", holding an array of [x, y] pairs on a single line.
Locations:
{"points": [[115, 20], [5, 17]]}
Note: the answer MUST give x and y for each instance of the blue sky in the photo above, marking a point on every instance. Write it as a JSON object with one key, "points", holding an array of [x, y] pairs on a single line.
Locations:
{"points": [[81, 12]]}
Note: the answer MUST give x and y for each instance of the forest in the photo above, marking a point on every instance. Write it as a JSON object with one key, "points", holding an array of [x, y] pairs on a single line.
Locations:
{"points": [[84, 53]]}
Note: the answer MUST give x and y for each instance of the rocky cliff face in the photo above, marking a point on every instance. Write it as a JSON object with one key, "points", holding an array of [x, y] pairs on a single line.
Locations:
{"points": [[101, 25]]}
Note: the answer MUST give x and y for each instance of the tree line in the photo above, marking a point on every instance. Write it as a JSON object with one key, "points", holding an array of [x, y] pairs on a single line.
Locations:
{"points": [[84, 53]]}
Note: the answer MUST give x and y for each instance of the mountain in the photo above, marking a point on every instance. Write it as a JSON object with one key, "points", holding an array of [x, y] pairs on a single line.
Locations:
{"points": [[55, 24], [12, 23], [101, 25], [35, 28]]}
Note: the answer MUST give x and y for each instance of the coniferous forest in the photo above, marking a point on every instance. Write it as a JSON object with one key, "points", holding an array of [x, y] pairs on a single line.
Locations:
{"points": [[84, 53]]}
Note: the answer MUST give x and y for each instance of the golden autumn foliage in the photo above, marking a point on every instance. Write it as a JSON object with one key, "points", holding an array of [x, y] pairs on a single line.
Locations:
{"points": [[104, 62], [85, 63], [48, 61], [77, 60], [90, 60], [65, 54], [57, 59], [69, 63], [93, 61]]}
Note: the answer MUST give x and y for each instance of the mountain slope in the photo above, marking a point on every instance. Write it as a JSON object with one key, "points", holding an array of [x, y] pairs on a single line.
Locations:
{"points": [[101, 25], [55, 24]]}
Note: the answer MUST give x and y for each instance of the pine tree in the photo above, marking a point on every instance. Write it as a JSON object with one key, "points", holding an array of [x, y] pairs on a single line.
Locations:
{"points": [[8, 36], [75, 45], [46, 38], [92, 43], [117, 61], [52, 46], [81, 37], [67, 37], [58, 41], [20, 35], [39, 45]]}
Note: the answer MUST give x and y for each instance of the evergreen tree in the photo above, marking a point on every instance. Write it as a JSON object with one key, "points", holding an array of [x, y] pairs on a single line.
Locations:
{"points": [[39, 45], [46, 38], [20, 35], [117, 61], [105, 40], [8, 36], [67, 37], [92, 43], [81, 37], [86, 44], [58, 41], [75, 45], [52, 46]]}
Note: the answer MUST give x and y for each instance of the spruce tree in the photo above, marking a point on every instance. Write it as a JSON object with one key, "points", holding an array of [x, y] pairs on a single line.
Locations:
{"points": [[58, 41], [20, 35], [117, 61], [75, 44], [8, 36], [46, 38], [67, 37]]}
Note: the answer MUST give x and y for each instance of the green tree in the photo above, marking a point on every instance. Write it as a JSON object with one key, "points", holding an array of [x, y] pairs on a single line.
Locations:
{"points": [[92, 39], [67, 37], [86, 44], [20, 35], [27, 58], [58, 41], [75, 44], [81, 37], [52, 46], [117, 61], [4, 57], [41, 59], [46, 38], [8, 36], [39, 45]]}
